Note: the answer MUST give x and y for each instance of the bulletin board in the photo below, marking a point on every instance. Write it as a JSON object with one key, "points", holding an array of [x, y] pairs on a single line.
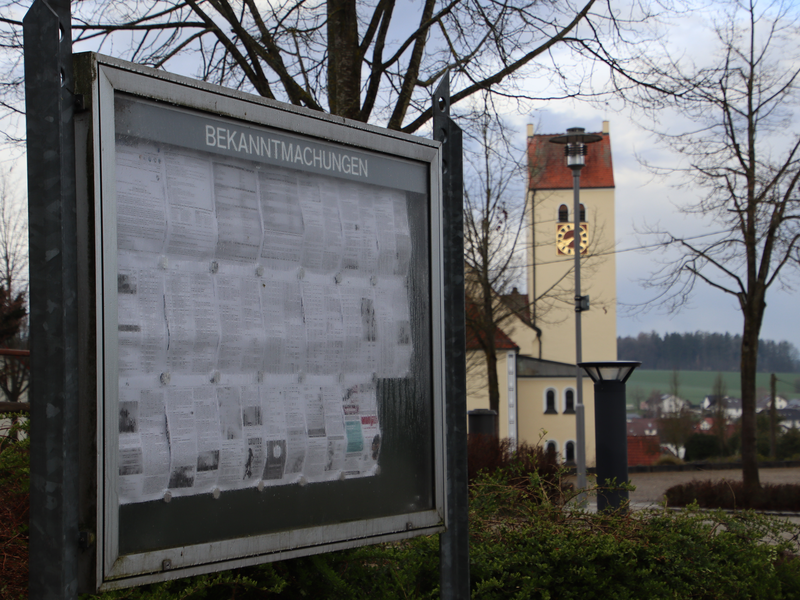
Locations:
{"points": [[268, 338]]}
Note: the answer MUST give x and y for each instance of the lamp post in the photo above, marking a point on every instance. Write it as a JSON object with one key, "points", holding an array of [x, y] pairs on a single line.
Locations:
{"points": [[575, 150], [610, 427]]}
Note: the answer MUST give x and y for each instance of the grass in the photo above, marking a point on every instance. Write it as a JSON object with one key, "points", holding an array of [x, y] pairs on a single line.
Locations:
{"points": [[696, 385]]}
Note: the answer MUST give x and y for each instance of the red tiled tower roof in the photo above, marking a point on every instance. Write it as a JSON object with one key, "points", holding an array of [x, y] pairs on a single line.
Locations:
{"points": [[548, 166]]}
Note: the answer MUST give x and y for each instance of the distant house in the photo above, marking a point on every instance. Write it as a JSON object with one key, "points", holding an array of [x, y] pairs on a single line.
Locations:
{"points": [[731, 406], [666, 404], [642, 427], [765, 402], [643, 450], [789, 418], [710, 401], [707, 425], [644, 446]]}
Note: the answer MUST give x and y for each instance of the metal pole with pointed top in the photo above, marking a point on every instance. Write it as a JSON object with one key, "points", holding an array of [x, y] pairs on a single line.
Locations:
{"points": [[575, 149], [454, 542], [49, 106]]}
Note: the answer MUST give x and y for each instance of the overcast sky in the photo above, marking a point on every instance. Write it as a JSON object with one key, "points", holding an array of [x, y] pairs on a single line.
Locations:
{"points": [[641, 199]]}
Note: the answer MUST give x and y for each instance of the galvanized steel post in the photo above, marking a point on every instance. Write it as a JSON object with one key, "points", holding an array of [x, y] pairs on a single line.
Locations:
{"points": [[454, 543], [53, 301]]}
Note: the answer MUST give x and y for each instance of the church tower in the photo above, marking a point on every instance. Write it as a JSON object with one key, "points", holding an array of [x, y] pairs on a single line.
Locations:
{"points": [[536, 356], [551, 247]]}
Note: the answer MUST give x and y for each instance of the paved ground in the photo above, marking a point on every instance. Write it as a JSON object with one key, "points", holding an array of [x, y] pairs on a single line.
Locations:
{"points": [[650, 487]]}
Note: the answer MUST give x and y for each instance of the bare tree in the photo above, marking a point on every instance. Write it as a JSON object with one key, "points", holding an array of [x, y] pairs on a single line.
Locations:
{"points": [[13, 290], [675, 385], [675, 426], [366, 60], [493, 235], [741, 153], [720, 419], [13, 238]]}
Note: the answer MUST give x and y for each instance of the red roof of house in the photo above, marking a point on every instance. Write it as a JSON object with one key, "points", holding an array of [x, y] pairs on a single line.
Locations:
{"points": [[638, 427], [549, 170], [501, 339]]}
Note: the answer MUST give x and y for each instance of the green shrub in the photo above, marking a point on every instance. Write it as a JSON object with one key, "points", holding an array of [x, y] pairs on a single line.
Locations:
{"points": [[729, 495], [669, 459], [14, 483], [544, 551], [788, 445], [526, 541], [701, 446], [522, 545]]}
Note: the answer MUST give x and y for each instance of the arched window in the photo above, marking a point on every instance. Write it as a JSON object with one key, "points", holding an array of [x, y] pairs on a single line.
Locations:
{"points": [[569, 401], [583, 213], [569, 452], [563, 214], [550, 402], [551, 448]]}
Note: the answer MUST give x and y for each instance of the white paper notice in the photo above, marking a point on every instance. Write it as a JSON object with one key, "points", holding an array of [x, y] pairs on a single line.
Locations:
{"points": [[322, 239], [141, 197], [358, 228], [254, 435], [192, 322], [142, 326], [143, 446], [192, 224], [243, 337], [182, 440], [209, 441], [238, 219], [233, 457], [282, 217]]}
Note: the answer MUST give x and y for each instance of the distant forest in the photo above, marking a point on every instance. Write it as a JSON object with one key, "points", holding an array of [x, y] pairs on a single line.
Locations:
{"points": [[701, 351]]}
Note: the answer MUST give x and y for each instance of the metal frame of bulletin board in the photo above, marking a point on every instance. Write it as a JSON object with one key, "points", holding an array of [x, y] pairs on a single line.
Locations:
{"points": [[260, 293]]}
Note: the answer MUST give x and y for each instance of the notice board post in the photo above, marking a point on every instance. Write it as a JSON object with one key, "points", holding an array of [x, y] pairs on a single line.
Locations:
{"points": [[454, 543], [54, 474]]}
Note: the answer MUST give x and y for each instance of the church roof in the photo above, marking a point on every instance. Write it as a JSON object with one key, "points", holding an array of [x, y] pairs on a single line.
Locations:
{"points": [[501, 339], [549, 169], [528, 366]]}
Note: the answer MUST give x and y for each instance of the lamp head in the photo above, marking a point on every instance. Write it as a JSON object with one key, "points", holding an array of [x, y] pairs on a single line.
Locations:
{"points": [[575, 145], [612, 370]]}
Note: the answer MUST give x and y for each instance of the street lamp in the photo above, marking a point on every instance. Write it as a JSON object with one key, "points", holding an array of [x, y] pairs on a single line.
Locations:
{"points": [[575, 150], [610, 428]]}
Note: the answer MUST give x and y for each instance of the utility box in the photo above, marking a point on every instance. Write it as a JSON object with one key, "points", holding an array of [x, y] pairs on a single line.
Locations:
{"points": [[261, 307], [482, 421]]}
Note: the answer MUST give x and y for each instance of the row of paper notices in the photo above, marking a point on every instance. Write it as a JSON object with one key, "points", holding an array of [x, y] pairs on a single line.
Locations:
{"points": [[179, 441], [196, 323], [197, 206], [256, 307]]}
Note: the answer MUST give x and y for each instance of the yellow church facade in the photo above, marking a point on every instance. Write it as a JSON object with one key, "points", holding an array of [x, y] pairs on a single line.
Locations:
{"points": [[537, 351]]}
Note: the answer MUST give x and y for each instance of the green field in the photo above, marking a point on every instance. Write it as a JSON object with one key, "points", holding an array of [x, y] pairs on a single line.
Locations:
{"points": [[696, 385]]}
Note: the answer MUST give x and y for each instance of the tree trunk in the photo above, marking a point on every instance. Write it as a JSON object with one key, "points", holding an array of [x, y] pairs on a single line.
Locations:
{"points": [[749, 362], [344, 59], [773, 418]]}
